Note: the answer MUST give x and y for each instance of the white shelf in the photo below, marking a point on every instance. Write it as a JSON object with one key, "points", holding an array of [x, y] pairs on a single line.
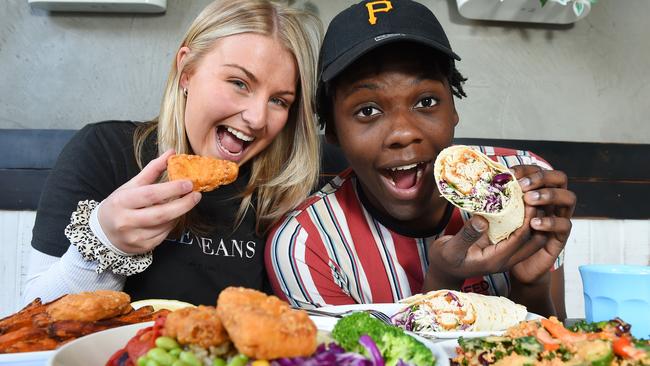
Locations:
{"points": [[529, 11], [102, 6]]}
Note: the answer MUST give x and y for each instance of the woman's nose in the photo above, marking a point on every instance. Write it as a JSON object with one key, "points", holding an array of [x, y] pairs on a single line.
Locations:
{"points": [[254, 113]]}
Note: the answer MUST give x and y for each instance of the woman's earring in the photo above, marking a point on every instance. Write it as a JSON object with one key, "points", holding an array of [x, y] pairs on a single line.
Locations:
{"points": [[185, 92]]}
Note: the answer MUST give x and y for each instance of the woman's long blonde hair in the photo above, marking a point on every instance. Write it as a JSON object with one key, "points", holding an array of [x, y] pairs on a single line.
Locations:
{"points": [[284, 173]]}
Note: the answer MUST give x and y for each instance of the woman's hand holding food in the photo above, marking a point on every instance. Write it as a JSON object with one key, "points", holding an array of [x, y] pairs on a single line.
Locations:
{"points": [[139, 215], [546, 191]]}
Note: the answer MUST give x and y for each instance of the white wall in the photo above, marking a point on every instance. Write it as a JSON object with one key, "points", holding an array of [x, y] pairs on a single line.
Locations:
{"points": [[584, 82]]}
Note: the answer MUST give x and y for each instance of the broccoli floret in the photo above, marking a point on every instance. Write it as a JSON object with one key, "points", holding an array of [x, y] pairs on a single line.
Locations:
{"points": [[393, 343], [347, 331], [397, 345]]}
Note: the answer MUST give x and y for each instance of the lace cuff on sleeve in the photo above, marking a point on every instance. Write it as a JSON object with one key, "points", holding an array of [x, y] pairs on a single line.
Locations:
{"points": [[81, 235]]}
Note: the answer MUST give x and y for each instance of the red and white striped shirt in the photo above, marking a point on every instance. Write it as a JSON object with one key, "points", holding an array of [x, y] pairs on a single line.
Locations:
{"points": [[332, 251]]}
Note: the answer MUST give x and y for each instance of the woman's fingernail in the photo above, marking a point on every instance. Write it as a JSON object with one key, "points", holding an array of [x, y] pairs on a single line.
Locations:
{"points": [[187, 185], [524, 182], [536, 221], [197, 196]]}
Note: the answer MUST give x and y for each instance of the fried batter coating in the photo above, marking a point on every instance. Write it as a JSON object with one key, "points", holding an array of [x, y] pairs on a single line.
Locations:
{"points": [[205, 173], [265, 327], [90, 306], [199, 325]]}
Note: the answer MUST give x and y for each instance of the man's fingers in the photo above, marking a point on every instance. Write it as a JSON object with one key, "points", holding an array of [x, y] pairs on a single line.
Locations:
{"points": [[550, 196], [151, 172], [559, 225], [536, 242], [542, 178], [474, 232]]}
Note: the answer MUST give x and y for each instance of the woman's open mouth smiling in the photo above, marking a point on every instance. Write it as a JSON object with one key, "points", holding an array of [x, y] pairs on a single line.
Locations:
{"points": [[232, 142]]}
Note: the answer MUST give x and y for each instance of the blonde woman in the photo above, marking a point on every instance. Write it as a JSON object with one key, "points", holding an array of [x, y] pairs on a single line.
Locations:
{"points": [[239, 89]]}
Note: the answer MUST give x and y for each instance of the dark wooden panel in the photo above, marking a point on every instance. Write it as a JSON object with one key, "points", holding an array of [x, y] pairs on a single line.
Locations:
{"points": [[611, 199], [584, 160], [20, 189], [31, 148]]}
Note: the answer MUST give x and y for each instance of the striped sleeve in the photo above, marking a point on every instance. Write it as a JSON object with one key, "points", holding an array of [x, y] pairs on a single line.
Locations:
{"points": [[299, 268]]}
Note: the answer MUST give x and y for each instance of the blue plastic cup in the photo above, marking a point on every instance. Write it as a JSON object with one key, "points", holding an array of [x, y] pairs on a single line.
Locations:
{"points": [[614, 290]]}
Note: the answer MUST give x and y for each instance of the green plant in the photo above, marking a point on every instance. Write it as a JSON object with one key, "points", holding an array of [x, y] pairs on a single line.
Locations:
{"points": [[578, 5]]}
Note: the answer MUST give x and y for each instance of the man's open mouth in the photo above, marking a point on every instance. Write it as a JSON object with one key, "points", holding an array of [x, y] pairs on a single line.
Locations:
{"points": [[405, 176], [233, 141]]}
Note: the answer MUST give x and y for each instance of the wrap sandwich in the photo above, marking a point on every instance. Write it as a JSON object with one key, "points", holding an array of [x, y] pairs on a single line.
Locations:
{"points": [[477, 184], [447, 310]]}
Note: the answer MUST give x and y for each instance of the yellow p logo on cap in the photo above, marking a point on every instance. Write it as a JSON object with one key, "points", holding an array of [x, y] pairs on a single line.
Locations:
{"points": [[372, 19]]}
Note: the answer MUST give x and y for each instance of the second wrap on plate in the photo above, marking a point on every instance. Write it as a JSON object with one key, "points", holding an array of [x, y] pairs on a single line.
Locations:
{"points": [[477, 184], [447, 310]]}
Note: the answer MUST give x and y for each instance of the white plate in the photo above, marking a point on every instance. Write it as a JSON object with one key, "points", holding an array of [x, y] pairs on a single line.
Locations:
{"points": [[449, 347], [97, 348], [26, 358], [391, 309]]}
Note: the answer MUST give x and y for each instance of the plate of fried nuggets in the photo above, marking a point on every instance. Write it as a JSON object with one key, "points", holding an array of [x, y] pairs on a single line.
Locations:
{"points": [[245, 321], [205, 173], [46, 326]]}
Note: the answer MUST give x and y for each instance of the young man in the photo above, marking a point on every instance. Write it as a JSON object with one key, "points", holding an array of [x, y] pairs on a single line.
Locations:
{"points": [[380, 231]]}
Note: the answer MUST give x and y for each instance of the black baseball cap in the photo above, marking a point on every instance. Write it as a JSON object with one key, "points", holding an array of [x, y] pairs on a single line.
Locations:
{"points": [[369, 24]]}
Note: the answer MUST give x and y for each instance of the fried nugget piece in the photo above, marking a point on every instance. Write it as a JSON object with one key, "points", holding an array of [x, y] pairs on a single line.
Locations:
{"points": [[205, 173], [90, 306], [265, 327], [199, 325]]}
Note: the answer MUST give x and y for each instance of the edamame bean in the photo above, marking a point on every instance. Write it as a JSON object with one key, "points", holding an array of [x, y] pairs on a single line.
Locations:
{"points": [[151, 362], [175, 352], [180, 363], [239, 360], [161, 356], [142, 361], [219, 362], [166, 343], [190, 358]]}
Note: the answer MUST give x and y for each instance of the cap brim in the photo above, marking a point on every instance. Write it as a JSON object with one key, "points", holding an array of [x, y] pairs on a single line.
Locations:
{"points": [[353, 54]]}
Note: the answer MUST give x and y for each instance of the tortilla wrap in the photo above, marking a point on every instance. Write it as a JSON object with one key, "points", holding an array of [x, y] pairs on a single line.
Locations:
{"points": [[447, 310], [466, 178]]}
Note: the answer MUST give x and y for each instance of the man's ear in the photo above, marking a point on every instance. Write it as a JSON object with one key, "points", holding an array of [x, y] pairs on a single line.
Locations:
{"points": [[454, 115], [183, 52]]}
